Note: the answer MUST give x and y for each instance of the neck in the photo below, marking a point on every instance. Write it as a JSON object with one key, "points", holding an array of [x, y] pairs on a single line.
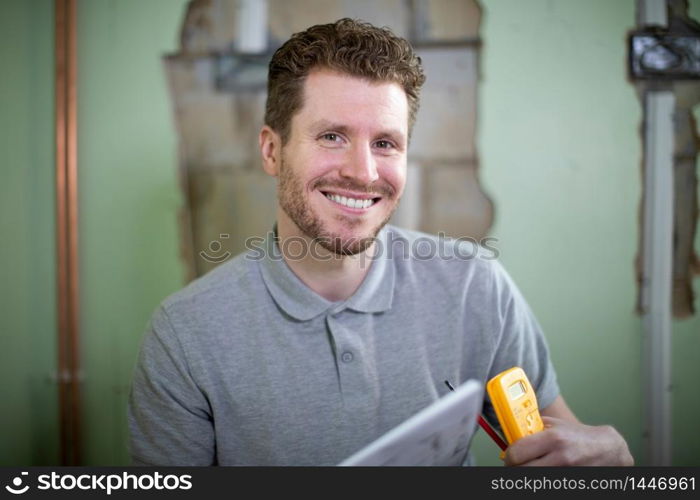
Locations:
{"points": [[334, 277]]}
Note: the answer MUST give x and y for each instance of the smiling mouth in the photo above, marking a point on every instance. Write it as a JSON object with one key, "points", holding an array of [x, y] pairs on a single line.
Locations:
{"points": [[356, 203]]}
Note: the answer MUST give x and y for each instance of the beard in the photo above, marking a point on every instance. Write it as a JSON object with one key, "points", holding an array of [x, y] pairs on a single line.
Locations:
{"points": [[294, 201]]}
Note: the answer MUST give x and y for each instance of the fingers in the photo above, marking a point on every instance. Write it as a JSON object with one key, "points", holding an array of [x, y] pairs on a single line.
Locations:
{"points": [[548, 447], [550, 421], [529, 448], [563, 443]]}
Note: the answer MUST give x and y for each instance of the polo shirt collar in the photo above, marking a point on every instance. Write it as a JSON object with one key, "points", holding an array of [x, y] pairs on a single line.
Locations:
{"points": [[294, 297]]}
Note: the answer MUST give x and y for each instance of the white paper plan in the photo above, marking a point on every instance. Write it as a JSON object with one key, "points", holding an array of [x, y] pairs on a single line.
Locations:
{"points": [[437, 435]]}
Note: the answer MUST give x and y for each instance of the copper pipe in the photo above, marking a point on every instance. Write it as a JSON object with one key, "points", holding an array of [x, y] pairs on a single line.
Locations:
{"points": [[67, 231], [61, 251], [72, 177]]}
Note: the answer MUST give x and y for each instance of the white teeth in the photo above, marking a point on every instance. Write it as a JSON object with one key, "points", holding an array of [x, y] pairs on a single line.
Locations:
{"points": [[350, 202]]}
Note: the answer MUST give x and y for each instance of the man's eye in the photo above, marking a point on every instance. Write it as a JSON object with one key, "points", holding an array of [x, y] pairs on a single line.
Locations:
{"points": [[331, 137], [384, 144]]}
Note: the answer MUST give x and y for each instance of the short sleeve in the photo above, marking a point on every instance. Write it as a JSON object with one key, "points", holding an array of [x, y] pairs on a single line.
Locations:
{"points": [[170, 421], [521, 342]]}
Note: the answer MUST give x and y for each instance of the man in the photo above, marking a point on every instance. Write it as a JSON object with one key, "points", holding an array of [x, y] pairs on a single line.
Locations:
{"points": [[335, 330]]}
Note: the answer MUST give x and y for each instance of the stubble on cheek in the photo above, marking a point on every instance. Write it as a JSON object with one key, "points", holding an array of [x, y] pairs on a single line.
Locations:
{"points": [[294, 200]]}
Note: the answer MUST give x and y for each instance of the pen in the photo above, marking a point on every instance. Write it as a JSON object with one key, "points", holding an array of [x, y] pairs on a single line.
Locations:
{"points": [[485, 425]]}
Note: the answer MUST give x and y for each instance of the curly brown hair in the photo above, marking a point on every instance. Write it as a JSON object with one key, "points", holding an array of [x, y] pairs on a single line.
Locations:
{"points": [[349, 46]]}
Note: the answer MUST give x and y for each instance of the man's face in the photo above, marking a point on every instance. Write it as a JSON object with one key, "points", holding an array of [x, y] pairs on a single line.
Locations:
{"points": [[343, 168]]}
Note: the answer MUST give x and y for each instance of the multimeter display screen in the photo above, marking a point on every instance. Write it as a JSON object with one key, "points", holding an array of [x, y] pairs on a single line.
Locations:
{"points": [[516, 390]]}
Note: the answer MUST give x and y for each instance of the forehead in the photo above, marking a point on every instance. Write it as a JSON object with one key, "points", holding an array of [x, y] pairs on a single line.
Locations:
{"points": [[355, 102]]}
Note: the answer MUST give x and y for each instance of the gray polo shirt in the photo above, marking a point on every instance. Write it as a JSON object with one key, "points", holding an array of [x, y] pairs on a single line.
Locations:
{"points": [[248, 366]]}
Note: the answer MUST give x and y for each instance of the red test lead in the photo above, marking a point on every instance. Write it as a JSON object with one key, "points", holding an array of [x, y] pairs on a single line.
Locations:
{"points": [[485, 425]]}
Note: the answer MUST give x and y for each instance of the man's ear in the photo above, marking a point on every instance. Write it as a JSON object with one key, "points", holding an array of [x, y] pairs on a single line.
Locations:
{"points": [[271, 150]]}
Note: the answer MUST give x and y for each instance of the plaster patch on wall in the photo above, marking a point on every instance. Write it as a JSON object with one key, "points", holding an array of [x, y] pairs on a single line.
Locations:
{"points": [[686, 265], [685, 259]]}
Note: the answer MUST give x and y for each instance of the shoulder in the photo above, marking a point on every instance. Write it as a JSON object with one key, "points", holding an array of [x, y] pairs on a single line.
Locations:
{"points": [[228, 287], [221, 277], [451, 261]]}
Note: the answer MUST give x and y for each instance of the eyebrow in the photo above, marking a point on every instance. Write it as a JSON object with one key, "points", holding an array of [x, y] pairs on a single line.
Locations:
{"points": [[323, 124]]}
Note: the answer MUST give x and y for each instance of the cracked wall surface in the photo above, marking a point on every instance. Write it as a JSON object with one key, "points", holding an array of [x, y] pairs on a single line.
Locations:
{"points": [[686, 265]]}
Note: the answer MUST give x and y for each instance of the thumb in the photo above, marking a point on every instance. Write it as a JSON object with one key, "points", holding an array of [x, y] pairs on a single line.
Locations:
{"points": [[550, 421]]}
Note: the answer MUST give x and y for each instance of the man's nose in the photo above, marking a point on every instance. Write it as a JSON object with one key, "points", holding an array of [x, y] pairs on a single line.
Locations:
{"points": [[360, 165]]}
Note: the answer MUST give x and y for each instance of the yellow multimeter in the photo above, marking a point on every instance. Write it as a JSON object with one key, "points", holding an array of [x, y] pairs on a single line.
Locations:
{"points": [[515, 404]]}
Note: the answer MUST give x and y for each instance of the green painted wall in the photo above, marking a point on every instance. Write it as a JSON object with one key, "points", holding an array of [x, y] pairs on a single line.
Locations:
{"points": [[129, 198], [560, 156], [559, 152], [28, 433]]}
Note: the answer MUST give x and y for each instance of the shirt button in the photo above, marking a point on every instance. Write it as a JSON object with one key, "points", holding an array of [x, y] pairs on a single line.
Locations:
{"points": [[347, 357]]}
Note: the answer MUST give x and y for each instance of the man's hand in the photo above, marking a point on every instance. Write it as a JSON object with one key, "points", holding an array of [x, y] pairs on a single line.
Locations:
{"points": [[565, 443]]}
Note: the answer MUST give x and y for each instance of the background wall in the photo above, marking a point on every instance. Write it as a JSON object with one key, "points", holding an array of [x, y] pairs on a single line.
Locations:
{"points": [[128, 200], [560, 157], [561, 154], [28, 420]]}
